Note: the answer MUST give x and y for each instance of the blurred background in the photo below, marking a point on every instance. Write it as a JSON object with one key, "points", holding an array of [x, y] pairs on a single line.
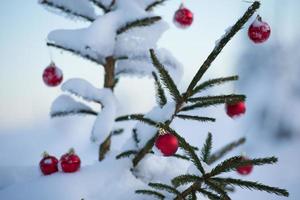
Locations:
{"points": [[268, 76]]}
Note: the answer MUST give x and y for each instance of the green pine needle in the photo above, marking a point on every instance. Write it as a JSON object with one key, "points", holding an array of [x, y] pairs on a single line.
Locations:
{"points": [[165, 77], [224, 98], [207, 148], [160, 186], [73, 112], [218, 189], [160, 94], [209, 194], [185, 179], [196, 118], [126, 154], [213, 82], [226, 149], [138, 117], [152, 193], [252, 186]]}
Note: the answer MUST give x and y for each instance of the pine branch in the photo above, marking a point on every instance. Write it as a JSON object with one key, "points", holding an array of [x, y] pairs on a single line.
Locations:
{"points": [[207, 148], [75, 52], [218, 189], [181, 157], [237, 161], [224, 98], [252, 186], [126, 154], [66, 10], [160, 186], [165, 77], [117, 132], [213, 102], [138, 117], [220, 153], [135, 137], [101, 6], [152, 193], [154, 4], [189, 151], [69, 113], [209, 194], [197, 118], [138, 23], [219, 47], [160, 94], [213, 82], [185, 179]]}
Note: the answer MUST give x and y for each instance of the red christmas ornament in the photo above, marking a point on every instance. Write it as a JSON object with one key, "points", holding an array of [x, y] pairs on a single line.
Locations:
{"points": [[48, 164], [259, 31], [70, 162], [235, 110], [183, 17], [52, 75], [167, 143], [245, 170]]}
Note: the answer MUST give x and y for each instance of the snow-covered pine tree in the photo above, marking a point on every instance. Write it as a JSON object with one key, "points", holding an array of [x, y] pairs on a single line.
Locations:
{"points": [[119, 41]]}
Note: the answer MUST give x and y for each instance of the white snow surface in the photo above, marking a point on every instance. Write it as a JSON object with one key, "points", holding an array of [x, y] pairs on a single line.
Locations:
{"points": [[80, 7], [65, 103]]}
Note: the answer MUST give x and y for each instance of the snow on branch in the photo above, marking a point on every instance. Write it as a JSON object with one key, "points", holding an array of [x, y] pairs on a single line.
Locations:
{"points": [[65, 106], [74, 8]]}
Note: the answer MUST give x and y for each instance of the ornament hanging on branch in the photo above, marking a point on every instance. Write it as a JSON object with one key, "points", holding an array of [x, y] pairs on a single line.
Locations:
{"points": [[236, 109], [167, 143], [48, 164], [183, 17], [52, 75], [70, 162], [244, 170], [259, 31]]}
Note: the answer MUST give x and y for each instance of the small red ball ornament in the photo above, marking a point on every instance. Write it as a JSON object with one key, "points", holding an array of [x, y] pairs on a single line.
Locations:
{"points": [[167, 143], [259, 31], [245, 170], [52, 75], [235, 110], [183, 17], [70, 162], [48, 164]]}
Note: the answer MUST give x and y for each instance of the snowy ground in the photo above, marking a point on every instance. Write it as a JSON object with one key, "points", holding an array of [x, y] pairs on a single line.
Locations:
{"points": [[20, 152]]}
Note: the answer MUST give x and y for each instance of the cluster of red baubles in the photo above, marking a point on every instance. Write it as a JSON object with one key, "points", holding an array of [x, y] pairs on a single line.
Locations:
{"points": [[69, 163]]}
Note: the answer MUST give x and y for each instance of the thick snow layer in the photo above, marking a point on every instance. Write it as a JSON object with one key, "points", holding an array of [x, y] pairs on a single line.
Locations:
{"points": [[142, 65], [65, 103], [157, 114], [106, 117], [80, 7]]}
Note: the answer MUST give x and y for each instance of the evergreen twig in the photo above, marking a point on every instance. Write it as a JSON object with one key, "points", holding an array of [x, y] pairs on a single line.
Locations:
{"points": [[77, 112], [165, 77], [126, 154], [252, 186], [152, 193], [224, 98], [220, 153], [185, 179], [101, 6], [207, 148], [213, 82], [160, 186], [66, 10], [197, 118], [154, 4], [220, 45], [160, 93], [138, 117]]}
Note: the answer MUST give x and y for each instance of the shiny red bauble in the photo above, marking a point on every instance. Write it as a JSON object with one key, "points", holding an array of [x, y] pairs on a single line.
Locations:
{"points": [[52, 75], [183, 17], [245, 170], [236, 109], [49, 164], [167, 144], [70, 162], [259, 31]]}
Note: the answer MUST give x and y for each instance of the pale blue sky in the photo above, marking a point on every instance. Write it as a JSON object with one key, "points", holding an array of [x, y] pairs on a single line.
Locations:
{"points": [[24, 26]]}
